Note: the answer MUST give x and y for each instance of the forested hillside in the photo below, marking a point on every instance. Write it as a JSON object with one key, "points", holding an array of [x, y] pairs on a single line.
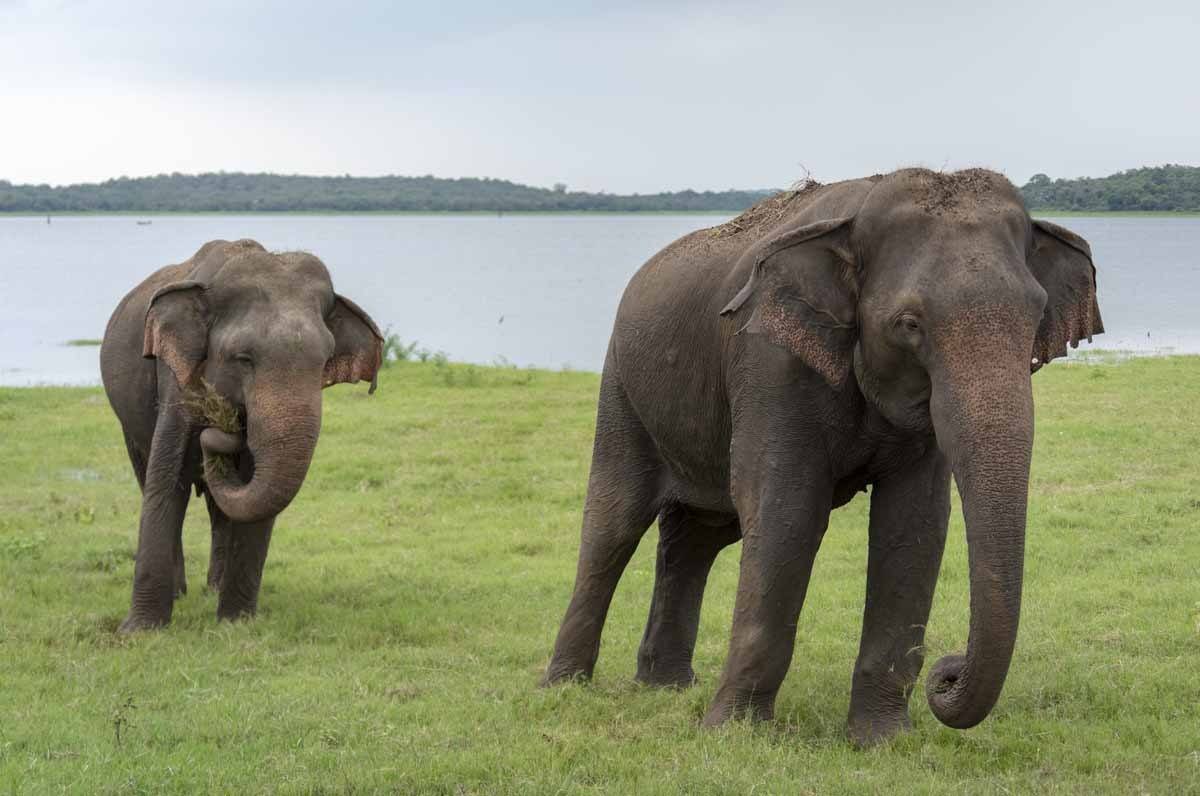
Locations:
{"points": [[1170, 187], [234, 192]]}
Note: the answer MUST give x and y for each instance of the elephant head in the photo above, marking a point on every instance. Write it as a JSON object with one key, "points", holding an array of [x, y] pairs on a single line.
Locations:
{"points": [[268, 333], [937, 299]]}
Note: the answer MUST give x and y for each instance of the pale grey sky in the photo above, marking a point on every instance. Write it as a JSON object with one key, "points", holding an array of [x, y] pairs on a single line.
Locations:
{"points": [[615, 96]]}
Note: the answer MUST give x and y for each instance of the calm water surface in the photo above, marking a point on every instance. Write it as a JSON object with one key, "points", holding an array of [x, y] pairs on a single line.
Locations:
{"points": [[530, 290]]}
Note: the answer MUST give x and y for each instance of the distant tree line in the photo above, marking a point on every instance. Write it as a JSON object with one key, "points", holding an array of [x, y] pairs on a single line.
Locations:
{"points": [[1153, 188], [235, 192], [1168, 187]]}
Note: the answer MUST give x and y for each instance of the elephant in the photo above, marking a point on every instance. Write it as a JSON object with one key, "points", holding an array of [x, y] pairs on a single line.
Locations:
{"points": [[267, 333], [875, 332]]}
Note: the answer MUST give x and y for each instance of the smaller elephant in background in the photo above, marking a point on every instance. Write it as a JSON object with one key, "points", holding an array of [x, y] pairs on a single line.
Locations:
{"points": [[267, 333]]}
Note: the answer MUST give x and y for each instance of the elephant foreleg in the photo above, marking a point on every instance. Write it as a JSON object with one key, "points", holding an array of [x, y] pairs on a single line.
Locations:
{"points": [[165, 494], [242, 577], [909, 514], [784, 511], [686, 552]]}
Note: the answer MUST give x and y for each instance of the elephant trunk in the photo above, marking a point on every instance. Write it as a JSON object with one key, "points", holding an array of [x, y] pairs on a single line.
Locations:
{"points": [[281, 434], [985, 426]]}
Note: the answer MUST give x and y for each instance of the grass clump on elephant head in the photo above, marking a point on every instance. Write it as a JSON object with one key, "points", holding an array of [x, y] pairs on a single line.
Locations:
{"points": [[765, 212], [210, 408]]}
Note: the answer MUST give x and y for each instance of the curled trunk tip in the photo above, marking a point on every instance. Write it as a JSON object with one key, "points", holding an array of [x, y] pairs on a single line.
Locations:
{"points": [[946, 690], [281, 444]]}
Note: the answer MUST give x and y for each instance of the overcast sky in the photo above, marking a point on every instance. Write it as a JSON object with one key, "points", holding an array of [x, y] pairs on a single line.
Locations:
{"points": [[616, 96]]}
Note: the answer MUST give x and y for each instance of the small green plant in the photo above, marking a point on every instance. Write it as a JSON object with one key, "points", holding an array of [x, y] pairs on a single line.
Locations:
{"points": [[455, 375], [110, 560], [120, 719], [15, 547], [396, 350]]}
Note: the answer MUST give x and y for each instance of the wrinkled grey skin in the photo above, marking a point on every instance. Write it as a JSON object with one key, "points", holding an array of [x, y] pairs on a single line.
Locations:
{"points": [[872, 332], [268, 332]]}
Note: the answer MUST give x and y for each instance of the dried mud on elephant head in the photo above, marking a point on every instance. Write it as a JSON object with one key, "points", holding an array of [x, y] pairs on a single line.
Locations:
{"points": [[766, 211]]}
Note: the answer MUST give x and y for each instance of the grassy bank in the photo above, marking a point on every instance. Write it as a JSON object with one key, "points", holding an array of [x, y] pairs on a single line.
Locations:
{"points": [[414, 588]]}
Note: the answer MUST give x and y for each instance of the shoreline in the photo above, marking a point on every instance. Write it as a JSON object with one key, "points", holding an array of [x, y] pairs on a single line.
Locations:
{"points": [[1091, 357], [169, 213]]}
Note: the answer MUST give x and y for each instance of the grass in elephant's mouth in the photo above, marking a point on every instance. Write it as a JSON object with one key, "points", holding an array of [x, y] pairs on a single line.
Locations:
{"points": [[415, 585], [210, 408]]}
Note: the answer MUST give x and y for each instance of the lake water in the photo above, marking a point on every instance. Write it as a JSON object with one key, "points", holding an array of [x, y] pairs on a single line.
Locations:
{"points": [[529, 290]]}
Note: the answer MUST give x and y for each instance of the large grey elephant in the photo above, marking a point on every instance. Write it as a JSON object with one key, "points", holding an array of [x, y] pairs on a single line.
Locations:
{"points": [[268, 333], [876, 332]]}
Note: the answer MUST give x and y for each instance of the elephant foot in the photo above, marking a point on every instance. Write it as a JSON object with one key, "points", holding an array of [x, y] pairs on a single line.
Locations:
{"points": [[180, 589], [872, 729], [214, 581], [134, 623], [753, 706], [242, 614], [662, 676], [558, 673]]}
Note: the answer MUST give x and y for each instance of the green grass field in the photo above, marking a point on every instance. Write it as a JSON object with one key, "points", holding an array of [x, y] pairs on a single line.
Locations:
{"points": [[414, 588]]}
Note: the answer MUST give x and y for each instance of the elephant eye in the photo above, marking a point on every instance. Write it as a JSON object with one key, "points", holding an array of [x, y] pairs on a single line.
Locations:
{"points": [[244, 358], [908, 323]]}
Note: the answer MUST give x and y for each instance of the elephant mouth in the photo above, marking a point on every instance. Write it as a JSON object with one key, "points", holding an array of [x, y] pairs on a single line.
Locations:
{"points": [[226, 455], [227, 451], [909, 414], [912, 416], [218, 442], [922, 419]]}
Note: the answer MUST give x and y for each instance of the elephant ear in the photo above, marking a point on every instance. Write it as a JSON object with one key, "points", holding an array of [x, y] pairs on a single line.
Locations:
{"points": [[177, 329], [357, 345], [1062, 262], [805, 293]]}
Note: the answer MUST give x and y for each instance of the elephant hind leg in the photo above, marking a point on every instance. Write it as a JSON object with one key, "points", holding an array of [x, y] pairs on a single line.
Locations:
{"points": [[222, 534], [687, 549], [624, 495]]}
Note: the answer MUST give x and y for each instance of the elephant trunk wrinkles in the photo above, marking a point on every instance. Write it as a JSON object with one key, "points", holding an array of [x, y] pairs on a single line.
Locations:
{"points": [[985, 426], [281, 434]]}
